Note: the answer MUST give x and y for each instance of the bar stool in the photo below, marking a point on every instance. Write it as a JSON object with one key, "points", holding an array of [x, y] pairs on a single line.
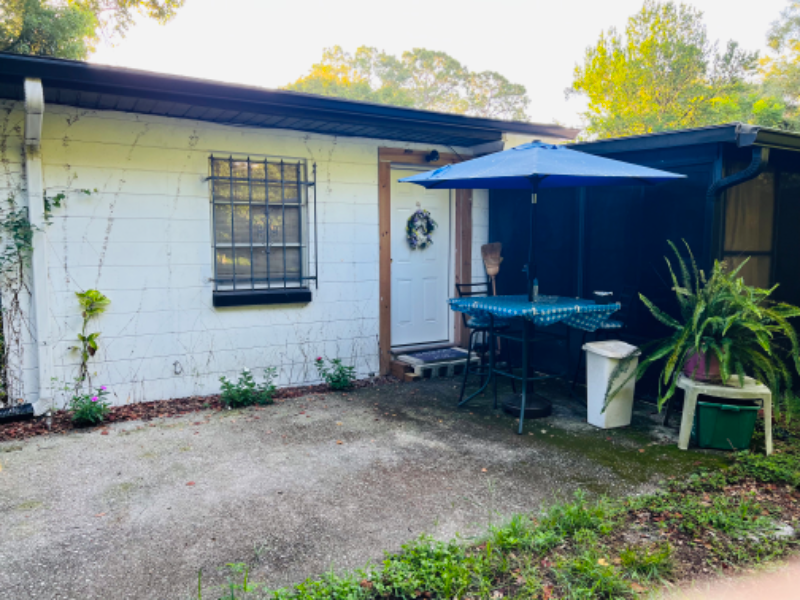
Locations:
{"points": [[483, 327]]}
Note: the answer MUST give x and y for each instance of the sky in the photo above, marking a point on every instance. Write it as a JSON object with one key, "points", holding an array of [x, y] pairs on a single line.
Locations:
{"points": [[536, 42]]}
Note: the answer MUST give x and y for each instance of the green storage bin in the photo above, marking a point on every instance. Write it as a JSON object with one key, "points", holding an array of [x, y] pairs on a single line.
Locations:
{"points": [[724, 426]]}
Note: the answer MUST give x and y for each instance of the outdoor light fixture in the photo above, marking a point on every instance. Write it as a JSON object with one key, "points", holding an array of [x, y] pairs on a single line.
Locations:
{"points": [[432, 156]]}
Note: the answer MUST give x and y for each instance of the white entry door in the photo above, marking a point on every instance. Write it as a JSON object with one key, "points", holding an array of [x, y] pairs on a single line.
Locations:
{"points": [[420, 278]]}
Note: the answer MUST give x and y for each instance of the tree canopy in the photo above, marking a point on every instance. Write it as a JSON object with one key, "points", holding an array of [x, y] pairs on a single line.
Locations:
{"points": [[419, 78], [664, 73], [71, 29], [781, 71]]}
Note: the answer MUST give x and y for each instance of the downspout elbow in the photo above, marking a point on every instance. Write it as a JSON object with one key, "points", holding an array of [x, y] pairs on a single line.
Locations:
{"points": [[758, 162], [34, 114]]}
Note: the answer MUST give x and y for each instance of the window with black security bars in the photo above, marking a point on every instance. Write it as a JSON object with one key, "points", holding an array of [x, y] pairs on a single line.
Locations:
{"points": [[260, 212]]}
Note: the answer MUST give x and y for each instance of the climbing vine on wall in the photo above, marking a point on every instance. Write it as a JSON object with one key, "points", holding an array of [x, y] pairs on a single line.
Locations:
{"points": [[16, 249]]}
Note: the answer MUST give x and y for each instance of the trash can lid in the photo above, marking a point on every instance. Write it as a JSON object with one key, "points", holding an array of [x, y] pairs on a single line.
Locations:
{"points": [[610, 348]]}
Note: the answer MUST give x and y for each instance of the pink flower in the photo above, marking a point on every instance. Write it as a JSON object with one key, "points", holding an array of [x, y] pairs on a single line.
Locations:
{"points": [[94, 399], [104, 388], [319, 359]]}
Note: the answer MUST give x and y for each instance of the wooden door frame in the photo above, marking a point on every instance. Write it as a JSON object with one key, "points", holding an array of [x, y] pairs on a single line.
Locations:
{"points": [[462, 237]]}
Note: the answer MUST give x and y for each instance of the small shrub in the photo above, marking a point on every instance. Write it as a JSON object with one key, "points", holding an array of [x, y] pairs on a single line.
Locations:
{"points": [[246, 392], [89, 409], [337, 375]]}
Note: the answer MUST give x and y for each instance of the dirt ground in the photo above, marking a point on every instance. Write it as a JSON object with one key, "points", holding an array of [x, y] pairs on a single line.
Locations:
{"points": [[136, 509]]}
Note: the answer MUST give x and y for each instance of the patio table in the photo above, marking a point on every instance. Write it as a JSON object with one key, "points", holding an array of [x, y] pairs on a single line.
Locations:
{"points": [[541, 311]]}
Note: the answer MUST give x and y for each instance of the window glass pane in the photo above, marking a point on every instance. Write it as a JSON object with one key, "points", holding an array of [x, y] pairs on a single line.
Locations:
{"points": [[241, 224], [291, 193], [222, 191], [243, 268], [259, 193], [220, 168], [258, 170], [749, 215], [290, 172], [260, 266], [224, 269], [241, 192], [274, 172], [240, 169], [277, 225], [259, 224], [222, 223], [757, 270], [275, 194], [276, 256]]}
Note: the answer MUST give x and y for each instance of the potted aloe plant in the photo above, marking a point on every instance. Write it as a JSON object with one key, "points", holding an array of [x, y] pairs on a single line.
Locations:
{"points": [[726, 330]]}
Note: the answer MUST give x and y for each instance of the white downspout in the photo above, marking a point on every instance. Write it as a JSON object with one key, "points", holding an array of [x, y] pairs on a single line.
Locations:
{"points": [[34, 115]]}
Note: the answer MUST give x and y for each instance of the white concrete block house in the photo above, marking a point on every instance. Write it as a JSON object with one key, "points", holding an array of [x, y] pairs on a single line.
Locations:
{"points": [[320, 269]]}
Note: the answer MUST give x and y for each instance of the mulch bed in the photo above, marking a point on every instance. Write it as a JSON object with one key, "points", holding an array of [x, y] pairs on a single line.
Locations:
{"points": [[61, 422]]}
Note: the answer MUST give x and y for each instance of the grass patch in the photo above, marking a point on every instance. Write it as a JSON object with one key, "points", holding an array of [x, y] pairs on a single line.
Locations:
{"points": [[714, 521]]}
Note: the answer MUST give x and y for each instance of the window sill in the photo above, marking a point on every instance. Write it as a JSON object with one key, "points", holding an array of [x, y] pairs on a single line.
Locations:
{"points": [[262, 297]]}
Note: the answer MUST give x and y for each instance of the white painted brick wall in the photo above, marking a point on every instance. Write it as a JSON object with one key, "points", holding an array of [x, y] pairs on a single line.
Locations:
{"points": [[144, 239]]}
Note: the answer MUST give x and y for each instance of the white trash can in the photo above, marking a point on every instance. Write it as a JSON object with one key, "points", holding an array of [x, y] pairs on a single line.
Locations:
{"points": [[601, 360]]}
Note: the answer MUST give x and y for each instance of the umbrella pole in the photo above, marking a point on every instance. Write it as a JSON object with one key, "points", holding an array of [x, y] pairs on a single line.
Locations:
{"points": [[531, 257]]}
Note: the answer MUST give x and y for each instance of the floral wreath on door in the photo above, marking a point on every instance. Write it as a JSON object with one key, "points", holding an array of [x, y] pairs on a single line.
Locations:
{"points": [[419, 229]]}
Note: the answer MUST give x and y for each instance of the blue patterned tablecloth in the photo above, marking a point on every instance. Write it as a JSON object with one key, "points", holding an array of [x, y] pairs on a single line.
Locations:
{"points": [[546, 310]]}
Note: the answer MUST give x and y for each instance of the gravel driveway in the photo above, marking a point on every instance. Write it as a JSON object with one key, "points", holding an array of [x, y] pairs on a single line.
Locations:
{"points": [[294, 489]]}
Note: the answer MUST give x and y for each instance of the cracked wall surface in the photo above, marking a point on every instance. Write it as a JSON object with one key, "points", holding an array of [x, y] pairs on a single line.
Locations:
{"points": [[144, 239]]}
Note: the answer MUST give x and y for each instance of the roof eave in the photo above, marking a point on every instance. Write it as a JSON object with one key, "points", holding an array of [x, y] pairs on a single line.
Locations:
{"points": [[76, 75]]}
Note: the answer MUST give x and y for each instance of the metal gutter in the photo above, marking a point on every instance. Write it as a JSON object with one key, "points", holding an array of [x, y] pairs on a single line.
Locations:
{"points": [[780, 140], [740, 134], [87, 77]]}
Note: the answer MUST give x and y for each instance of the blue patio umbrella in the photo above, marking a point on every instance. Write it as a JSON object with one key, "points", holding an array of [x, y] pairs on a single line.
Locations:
{"points": [[538, 166]]}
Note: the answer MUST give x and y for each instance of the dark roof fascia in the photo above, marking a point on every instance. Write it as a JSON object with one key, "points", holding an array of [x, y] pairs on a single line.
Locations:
{"points": [[88, 77], [740, 134], [662, 140]]}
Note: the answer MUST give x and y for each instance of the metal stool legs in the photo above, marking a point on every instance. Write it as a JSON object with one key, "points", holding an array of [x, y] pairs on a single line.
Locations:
{"points": [[466, 367]]}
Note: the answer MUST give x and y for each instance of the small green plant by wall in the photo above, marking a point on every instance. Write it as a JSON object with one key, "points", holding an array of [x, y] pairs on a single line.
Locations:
{"points": [[337, 375], [93, 304], [89, 409], [245, 391]]}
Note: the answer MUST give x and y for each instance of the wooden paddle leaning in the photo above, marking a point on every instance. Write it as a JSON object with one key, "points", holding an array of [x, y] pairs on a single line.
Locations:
{"points": [[491, 260]]}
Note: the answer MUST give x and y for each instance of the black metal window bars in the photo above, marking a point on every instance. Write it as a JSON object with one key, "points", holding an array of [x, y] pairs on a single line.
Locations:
{"points": [[261, 229]]}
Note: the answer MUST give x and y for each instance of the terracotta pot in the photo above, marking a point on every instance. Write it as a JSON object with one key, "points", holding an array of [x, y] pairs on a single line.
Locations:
{"points": [[695, 367]]}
